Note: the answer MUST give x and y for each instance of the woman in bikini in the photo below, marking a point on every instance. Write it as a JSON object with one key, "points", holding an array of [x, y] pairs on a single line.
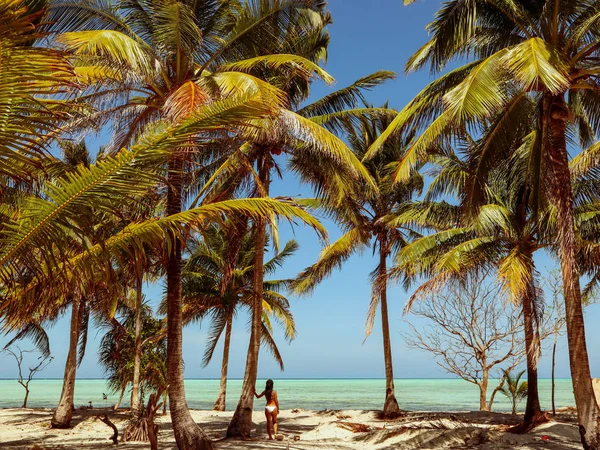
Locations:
{"points": [[272, 408]]}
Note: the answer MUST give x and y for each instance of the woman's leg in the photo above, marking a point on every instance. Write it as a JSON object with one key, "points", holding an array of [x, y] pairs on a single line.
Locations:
{"points": [[274, 416], [268, 416]]}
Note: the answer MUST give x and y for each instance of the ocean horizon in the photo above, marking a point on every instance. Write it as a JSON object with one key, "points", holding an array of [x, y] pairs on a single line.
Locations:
{"points": [[413, 394]]}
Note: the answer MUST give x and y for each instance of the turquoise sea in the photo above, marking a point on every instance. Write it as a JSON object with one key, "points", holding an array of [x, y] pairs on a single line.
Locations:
{"points": [[313, 394]]}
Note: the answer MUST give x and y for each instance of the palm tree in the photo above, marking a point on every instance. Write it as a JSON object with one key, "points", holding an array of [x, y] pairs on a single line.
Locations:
{"points": [[217, 281], [257, 164], [118, 349], [76, 154], [363, 218], [29, 73], [514, 389], [544, 51]]}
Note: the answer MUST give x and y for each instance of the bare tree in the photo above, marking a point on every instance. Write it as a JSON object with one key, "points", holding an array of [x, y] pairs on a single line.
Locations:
{"points": [[43, 362], [471, 331]]}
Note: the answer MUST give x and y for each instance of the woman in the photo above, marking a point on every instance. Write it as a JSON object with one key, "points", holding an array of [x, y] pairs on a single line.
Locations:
{"points": [[272, 408]]}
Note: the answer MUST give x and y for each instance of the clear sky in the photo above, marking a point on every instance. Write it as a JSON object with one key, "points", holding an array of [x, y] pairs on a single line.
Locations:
{"points": [[367, 35]]}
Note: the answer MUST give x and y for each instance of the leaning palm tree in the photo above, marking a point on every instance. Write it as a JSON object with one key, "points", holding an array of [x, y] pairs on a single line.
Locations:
{"points": [[363, 219], [217, 282], [544, 51]]}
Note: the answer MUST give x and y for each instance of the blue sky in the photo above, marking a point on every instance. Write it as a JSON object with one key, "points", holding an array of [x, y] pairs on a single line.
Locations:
{"points": [[366, 36]]}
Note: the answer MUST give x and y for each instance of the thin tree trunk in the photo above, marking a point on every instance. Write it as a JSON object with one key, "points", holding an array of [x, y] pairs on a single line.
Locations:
{"points": [[241, 422], [26, 397], [588, 412], [188, 435], [494, 392], [483, 392], [123, 387], [64, 412], [390, 407], [220, 403], [532, 410], [553, 382], [138, 343]]}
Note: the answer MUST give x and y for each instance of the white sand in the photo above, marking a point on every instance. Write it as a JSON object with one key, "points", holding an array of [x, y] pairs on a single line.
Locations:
{"points": [[21, 429]]}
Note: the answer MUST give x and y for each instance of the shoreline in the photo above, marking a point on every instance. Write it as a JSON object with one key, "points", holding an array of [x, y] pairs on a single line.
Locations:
{"points": [[21, 429]]}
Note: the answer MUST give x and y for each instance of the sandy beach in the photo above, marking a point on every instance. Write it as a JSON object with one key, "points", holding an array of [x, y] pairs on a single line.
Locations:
{"points": [[22, 429]]}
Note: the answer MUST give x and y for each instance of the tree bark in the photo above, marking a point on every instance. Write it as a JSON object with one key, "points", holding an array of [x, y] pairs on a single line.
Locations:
{"points": [[241, 422], [220, 403], [588, 412], [138, 343], [553, 382], [532, 408], [390, 407], [483, 392], [188, 435], [64, 412], [26, 397]]}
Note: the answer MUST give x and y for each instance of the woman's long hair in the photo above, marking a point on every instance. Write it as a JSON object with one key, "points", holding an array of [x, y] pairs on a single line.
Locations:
{"points": [[269, 390]]}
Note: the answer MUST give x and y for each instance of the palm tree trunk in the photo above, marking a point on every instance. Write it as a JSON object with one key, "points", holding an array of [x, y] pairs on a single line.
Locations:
{"points": [[138, 344], [188, 435], [533, 412], [588, 412], [390, 407], [553, 382], [241, 422], [220, 403], [64, 412]]}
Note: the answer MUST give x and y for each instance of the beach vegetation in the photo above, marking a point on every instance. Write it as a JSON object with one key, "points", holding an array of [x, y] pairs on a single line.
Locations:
{"points": [[514, 389]]}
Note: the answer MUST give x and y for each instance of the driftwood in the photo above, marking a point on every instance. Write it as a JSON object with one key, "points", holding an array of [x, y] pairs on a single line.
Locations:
{"points": [[106, 420], [143, 428], [355, 427]]}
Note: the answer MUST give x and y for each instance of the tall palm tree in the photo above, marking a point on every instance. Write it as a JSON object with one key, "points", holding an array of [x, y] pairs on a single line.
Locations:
{"points": [[75, 155], [363, 218], [543, 50], [217, 281]]}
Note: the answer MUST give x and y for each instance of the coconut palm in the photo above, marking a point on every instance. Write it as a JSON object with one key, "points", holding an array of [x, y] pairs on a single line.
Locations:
{"points": [[363, 219], [217, 281], [28, 75], [118, 349], [545, 51], [514, 389]]}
